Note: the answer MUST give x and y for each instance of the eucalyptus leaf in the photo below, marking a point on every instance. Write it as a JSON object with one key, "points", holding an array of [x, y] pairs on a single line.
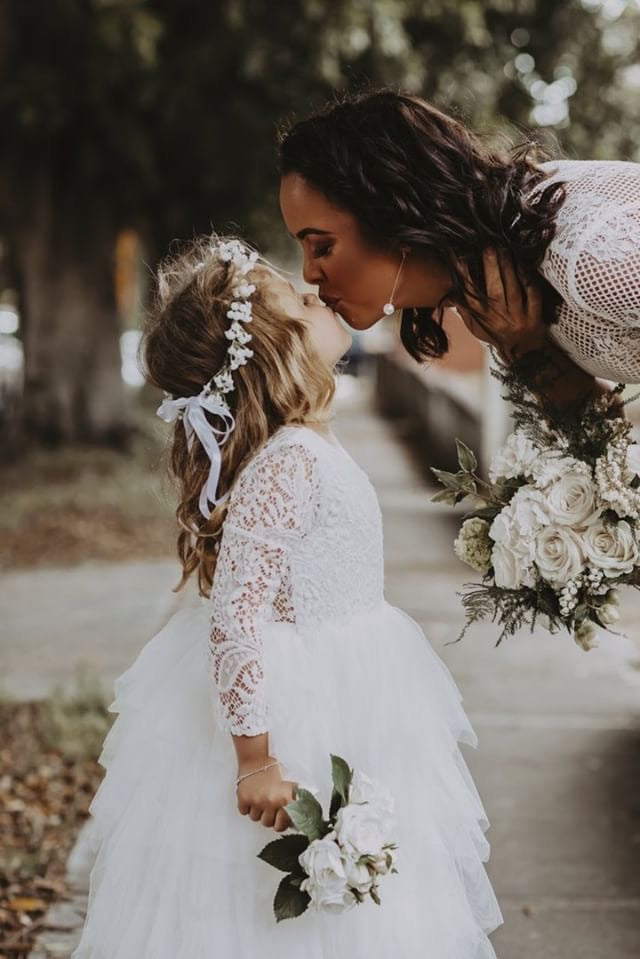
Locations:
{"points": [[468, 483], [306, 814], [466, 457], [290, 901], [283, 853], [450, 480], [447, 496]]}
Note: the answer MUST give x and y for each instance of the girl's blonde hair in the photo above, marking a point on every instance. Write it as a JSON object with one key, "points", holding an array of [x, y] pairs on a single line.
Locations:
{"points": [[183, 345]]}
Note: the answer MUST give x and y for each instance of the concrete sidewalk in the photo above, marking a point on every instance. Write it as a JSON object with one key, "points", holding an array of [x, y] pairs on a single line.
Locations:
{"points": [[558, 764]]}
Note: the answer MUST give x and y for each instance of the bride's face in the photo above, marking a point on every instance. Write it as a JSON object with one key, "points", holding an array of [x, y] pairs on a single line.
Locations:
{"points": [[353, 277]]}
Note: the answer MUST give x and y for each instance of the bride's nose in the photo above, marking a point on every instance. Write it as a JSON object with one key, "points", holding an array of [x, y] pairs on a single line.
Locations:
{"points": [[311, 271]]}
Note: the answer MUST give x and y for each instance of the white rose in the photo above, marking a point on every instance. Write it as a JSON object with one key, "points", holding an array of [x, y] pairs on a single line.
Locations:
{"points": [[507, 567], [363, 829], [325, 864], [633, 459], [516, 458], [558, 554], [359, 876], [571, 500], [550, 467], [612, 548]]}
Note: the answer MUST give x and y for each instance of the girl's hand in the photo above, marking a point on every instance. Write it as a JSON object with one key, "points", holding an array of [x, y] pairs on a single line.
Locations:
{"points": [[263, 796], [513, 321]]}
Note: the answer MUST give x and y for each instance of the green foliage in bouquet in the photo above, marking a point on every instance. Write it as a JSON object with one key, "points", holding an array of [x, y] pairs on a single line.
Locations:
{"points": [[306, 815], [595, 435]]}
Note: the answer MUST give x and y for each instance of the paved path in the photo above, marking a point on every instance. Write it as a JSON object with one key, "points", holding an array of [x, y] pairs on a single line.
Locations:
{"points": [[559, 759]]}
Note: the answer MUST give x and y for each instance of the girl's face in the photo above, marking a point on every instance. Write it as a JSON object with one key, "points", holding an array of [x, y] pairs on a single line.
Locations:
{"points": [[330, 338], [354, 277]]}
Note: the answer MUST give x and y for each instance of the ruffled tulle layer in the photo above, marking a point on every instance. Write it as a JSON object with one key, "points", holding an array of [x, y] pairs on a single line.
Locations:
{"points": [[177, 875]]}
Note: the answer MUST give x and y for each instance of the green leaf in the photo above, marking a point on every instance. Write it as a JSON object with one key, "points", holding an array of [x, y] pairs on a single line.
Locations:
{"points": [[467, 483], [290, 901], [283, 853], [341, 775], [450, 480], [466, 457], [374, 895], [447, 496], [306, 814], [483, 512]]}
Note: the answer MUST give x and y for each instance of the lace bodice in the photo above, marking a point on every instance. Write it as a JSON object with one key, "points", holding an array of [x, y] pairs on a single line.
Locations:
{"points": [[302, 544], [594, 263]]}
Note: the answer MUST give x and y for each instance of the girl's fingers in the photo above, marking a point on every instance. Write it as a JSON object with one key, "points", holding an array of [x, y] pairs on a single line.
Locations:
{"points": [[282, 821]]}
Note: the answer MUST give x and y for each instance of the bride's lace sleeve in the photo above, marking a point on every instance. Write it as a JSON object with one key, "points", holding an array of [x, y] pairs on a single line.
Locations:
{"points": [[594, 259], [270, 509]]}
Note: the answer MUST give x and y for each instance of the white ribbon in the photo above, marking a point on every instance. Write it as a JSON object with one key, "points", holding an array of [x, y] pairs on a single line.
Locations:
{"points": [[196, 423]]}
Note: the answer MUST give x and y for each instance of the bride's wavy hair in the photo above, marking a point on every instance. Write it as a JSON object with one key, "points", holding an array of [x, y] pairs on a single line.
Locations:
{"points": [[184, 344], [414, 176]]}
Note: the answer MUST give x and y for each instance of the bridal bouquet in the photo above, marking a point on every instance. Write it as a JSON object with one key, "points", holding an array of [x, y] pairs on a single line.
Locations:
{"points": [[556, 530], [335, 863]]}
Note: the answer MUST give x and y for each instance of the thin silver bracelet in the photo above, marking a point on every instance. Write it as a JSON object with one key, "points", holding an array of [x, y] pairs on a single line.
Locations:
{"points": [[261, 770]]}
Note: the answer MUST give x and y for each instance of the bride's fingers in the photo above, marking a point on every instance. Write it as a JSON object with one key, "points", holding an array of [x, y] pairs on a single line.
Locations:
{"points": [[515, 292]]}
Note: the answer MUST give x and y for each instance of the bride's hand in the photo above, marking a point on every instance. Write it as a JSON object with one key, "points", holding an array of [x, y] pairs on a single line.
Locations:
{"points": [[513, 321]]}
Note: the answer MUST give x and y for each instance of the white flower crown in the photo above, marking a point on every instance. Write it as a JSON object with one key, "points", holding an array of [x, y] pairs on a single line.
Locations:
{"points": [[191, 409]]}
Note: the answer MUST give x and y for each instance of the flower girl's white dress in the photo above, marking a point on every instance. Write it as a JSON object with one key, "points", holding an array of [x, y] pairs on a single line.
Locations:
{"points": [[297, 640]]}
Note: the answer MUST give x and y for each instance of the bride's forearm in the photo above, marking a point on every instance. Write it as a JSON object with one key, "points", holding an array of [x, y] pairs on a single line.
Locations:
{"points": [[553, 376]]}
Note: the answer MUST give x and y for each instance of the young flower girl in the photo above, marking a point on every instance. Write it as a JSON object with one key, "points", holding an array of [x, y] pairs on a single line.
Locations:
{"points": [[293, 654]]}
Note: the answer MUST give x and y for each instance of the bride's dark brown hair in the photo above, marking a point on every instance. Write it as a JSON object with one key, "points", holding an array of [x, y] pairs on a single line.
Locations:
{"points": [[413, 176], [184, 344]]}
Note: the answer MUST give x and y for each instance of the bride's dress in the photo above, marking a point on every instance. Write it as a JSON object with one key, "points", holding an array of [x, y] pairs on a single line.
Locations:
{"points": [[594, 263], [296, 639]]}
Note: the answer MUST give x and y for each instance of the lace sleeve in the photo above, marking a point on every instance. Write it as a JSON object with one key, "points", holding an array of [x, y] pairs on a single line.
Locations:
{"points": [[270, 509], [594, 259]]}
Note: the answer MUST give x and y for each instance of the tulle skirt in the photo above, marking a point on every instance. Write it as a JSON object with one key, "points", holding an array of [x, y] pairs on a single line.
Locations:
{"points": [[176, 874]]}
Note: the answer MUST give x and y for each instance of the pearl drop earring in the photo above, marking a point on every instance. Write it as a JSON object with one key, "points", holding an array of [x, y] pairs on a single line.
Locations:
{"points": [[389, 308]]}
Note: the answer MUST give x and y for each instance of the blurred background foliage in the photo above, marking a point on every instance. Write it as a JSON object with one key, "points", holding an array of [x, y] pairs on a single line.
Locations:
{"points": [[129, 123], [159, 118]]}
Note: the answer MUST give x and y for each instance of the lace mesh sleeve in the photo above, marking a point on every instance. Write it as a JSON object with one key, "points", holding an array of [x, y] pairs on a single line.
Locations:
{"points": [[270, 509], [594, 259]]}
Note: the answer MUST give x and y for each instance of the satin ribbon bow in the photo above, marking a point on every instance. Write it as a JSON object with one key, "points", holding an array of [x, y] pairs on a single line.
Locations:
{"points": [[196, 424]]}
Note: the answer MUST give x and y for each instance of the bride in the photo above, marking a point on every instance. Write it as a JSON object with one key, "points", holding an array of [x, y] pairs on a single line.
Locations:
{"points": [[398, 206]]}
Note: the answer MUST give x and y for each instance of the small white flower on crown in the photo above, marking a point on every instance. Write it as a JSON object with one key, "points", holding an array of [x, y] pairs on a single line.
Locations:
{"points": [[240, 311], [244, 290], [238, 355], [224, 381], [237, 332]]}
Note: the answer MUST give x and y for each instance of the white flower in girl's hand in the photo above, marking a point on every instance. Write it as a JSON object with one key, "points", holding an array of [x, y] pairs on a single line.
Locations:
{"points": [[363, 829], [327, 883]]}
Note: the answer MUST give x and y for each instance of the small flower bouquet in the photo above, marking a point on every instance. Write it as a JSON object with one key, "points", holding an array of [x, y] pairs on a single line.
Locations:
{"points": [[333, 864], [555, 531]]}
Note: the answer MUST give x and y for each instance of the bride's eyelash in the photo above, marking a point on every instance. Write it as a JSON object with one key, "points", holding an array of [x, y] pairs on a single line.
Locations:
{"points": [[322, 250]]}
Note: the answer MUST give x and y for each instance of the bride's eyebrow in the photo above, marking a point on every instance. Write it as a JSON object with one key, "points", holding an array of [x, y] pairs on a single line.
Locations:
{"points": [[308, 230]]}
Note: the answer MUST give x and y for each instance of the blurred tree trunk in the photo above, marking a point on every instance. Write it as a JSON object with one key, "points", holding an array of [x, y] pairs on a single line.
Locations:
{"points": [[73, 388]]}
